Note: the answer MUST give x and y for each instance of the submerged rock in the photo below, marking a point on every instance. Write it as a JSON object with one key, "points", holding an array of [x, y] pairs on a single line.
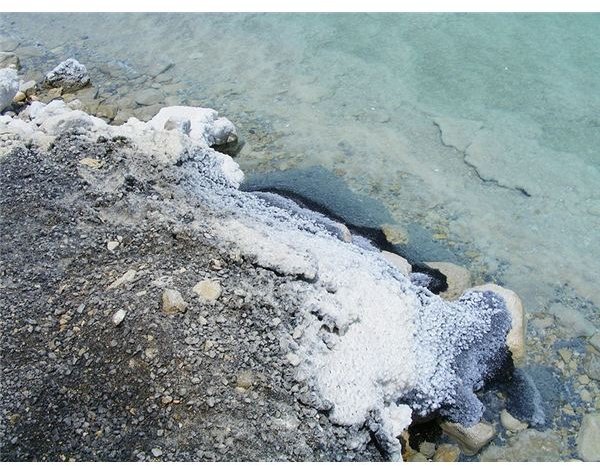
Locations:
{"points": [[528, 445], [9, 86], [70, 75], [457, 277], [588, 439]]}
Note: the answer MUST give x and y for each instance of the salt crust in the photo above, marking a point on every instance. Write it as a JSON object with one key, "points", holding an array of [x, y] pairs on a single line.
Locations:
{"points": [[374, 346]]}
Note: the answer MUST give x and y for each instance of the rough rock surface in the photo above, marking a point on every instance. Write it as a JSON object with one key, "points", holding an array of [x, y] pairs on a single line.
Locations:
{"points": [[471, 439], [70, 75], [345, 350], [9, 86], [588, 440]]}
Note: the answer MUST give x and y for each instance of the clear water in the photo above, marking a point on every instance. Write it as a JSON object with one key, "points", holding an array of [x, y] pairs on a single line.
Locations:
{"points": [[484, 129]]}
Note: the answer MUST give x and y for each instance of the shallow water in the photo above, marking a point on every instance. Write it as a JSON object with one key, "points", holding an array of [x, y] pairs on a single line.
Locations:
{"points": [[484, 129]]}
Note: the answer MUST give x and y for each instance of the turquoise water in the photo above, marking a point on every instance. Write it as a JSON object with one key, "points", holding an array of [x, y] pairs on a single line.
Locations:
{"points": [[484, 129]]}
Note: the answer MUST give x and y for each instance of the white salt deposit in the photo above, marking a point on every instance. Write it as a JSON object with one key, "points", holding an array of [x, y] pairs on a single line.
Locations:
{"points": [[375, 347]]}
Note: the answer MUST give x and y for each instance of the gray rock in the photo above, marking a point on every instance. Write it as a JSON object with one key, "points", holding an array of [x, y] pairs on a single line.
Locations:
{"points": [[118, 317], [573, 322], [588, 439], [70, 75], [9, 59], [9, 86], [208, 290], [149, 97], [591, 365], [8, 45]]}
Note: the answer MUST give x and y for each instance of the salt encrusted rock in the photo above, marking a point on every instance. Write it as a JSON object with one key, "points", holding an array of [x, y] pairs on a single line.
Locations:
{"points": [[515, 340], [510, 423], [9, 86], [471, 439], [172, 302], [398, 261], [208, 290], [9, 59], [457, 277], [588, 439], [70, 75]]}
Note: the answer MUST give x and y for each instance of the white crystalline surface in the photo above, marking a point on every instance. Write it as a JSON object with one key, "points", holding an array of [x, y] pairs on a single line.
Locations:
{"points": [[377, 349]]}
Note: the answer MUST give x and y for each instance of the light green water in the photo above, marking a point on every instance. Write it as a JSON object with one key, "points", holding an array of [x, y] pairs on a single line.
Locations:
{"points": [[483, 128]]}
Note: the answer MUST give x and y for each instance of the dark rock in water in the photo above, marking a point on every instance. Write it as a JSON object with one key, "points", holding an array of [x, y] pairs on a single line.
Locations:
{"points": [[534, 393], [232, 147]]}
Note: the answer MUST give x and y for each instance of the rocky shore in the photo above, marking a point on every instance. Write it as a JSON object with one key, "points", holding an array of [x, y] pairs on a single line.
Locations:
{"points": [[152, 309]]}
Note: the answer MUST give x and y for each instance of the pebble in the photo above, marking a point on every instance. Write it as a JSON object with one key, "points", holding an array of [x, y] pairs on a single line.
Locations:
{"points": [[27, 87], [293, 359], [112, 245], [172, 302], [458, 278], [591, 365], [156, 452], [417, 458], [427, 449], [208, 290], [118, 317], [245, 380], [19, 96], [126, 278], [446, 453], [471, 439], [510, 423], [395, 234], [9, 59], [70, 75]]}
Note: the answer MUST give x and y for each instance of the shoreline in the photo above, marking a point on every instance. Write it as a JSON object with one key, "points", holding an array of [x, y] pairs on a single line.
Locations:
{"points": [[274, 249]]}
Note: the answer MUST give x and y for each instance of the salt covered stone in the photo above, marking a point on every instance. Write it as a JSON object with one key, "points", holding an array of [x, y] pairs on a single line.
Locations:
{"points": [[471, 439], [457, 277], [515, 340], [208, 290], [70, 75], [9, 86]]}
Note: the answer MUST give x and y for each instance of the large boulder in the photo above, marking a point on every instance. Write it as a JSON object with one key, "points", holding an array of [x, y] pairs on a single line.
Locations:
{"points": [[9, 86], [70, 75]]}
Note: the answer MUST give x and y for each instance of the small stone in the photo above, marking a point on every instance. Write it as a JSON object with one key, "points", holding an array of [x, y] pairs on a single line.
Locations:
{"points": [[245, 380], [527, 445], [173, 302], [510, 423], [417, 458], [471, 439], [9, 60], [458, 278], [70, 75], [515, 340], [565, 354], [112, 245], [427, 449], [446, 452], [395, 234], [586, 396], [149, 97], [53, 94], [118, 317], [595, 341], [27, 87], [127, 277], [156, 452], [19, 97], [208, 290], [293, 359], [106, 111], [166, 399], [398, 261], [584, 379], [591, 365], [92, 163]]}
